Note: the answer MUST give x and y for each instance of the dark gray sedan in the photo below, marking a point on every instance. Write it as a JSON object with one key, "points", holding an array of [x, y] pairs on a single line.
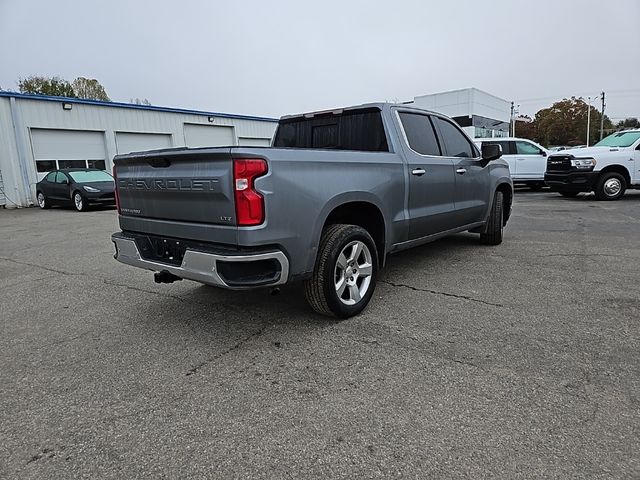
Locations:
{"points": [[80, 187]]}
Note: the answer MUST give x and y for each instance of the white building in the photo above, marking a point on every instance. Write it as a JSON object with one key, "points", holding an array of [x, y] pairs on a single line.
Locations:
{"points": [[41, 133], [479, 113]]}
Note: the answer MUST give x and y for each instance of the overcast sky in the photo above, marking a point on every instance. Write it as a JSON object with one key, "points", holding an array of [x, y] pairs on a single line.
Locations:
{"points": [[277, 57]]}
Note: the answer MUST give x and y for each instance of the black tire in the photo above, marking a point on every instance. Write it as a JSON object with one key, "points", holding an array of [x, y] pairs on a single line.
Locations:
{"points": [[321, 289], [43, 201], [493, 235], [568, 193], [79, 206], [610, 186]]}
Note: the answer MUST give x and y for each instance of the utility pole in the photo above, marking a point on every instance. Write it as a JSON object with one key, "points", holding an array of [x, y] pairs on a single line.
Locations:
{"points": [[602, 118], [511, 121], [588, 119]]}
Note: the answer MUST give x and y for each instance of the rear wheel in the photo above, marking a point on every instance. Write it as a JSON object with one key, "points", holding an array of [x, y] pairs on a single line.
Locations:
{"points": [[43, 202], [493, 235], [345, 274], [610, 186], [79, 202]]}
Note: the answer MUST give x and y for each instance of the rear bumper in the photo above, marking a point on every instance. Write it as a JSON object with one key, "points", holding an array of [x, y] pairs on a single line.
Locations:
{"points": [[232, 271], [571, 181]]}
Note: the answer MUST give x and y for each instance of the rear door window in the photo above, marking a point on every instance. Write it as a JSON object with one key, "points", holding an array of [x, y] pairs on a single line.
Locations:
{"points": [[420, 134], [51, 177], [453, 140], [508, 148]]}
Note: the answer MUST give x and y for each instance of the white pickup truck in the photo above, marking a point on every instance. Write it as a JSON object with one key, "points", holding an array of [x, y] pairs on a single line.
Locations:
{"points": [[608, 168]]}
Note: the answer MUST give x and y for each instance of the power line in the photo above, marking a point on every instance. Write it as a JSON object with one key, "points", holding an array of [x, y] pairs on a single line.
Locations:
{"points": [[618, 94]]}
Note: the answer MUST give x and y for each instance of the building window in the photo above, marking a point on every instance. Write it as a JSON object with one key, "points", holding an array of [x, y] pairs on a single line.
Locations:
{"points": [[43, 166], [72, 164], [100, 164]]}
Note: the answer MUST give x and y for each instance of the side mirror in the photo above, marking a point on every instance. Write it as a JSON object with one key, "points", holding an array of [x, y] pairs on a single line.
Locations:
{"points": [[491, 151], [544, 154], [65, 181]]}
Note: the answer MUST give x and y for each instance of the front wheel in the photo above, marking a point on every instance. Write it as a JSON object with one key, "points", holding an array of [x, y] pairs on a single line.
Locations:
{"points": [[493, 235], [610, 186], [345, 274], [79, 202]]}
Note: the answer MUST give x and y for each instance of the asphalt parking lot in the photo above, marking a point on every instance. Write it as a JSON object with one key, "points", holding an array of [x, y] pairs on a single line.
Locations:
{"points": [[516, 361]]}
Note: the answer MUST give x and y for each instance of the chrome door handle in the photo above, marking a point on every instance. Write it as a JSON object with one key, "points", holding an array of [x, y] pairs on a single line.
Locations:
{"points": [[461, 171], [418, 171]]}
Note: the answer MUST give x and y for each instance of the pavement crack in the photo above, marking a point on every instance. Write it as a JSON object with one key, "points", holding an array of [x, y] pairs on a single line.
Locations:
{"points": [[35, 265], [583, 255], [193, 370], [143, 290], [444, 294], [65, 340]]}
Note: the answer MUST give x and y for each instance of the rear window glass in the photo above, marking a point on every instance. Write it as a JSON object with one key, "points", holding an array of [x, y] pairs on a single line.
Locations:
{"points": [[90, 176], [351, 130], [420, 133]]}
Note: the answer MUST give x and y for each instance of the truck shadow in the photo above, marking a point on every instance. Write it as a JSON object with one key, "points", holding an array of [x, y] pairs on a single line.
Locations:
{"points": [[207, 308], [629, 196]]}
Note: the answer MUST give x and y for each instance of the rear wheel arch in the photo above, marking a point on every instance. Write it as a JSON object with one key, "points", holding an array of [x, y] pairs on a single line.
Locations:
{"points": [[363, 214]]}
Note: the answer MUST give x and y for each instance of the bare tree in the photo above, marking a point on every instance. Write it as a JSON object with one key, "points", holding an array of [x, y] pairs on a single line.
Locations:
{"points": [[140, 101], [90, 89]]}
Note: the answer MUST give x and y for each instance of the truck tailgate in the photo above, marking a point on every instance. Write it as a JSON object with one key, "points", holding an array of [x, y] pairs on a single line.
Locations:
{"points": [[183, 185]]}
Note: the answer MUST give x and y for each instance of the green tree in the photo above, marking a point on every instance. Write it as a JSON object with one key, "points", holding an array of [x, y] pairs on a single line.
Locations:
{"points": [[90, 89], [565, 123], [41, 85], [628, 123]]}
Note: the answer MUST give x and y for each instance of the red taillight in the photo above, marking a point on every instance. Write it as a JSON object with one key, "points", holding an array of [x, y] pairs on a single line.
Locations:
{"points": [[249, 203], [115, 191]]}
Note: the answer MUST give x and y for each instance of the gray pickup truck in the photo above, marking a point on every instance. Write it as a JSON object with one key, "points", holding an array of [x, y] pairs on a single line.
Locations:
{"points": [[336, 193]]}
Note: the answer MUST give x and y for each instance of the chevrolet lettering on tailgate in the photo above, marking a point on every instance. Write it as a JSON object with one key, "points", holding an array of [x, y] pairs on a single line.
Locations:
{"points": [[187, 184]]}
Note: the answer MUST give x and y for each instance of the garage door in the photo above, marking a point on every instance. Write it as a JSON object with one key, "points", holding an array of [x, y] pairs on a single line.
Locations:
{"points": [[208, 136], [127, 142], [67, 149], [254, 142]]}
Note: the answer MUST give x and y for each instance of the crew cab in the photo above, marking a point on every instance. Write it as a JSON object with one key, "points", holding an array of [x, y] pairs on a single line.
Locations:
{"points": [[335, 194], [527, 160], [608, 168]]}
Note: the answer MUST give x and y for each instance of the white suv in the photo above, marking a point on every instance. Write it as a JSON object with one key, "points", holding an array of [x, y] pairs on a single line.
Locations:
{"points": [[527, 160]]}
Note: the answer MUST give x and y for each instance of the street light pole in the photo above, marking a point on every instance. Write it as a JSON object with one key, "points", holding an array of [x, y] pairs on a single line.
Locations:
{"points": [[588, 119]]}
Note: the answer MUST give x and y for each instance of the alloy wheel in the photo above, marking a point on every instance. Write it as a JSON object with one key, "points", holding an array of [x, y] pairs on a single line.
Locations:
{"points": [[352, 276]]}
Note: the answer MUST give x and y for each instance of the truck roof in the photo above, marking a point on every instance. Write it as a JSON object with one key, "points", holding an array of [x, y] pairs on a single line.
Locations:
{"points": [[372, 105]]}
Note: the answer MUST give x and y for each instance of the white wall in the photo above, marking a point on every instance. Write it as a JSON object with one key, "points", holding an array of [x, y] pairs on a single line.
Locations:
{"points": [[466, 102], [17, 141]]}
